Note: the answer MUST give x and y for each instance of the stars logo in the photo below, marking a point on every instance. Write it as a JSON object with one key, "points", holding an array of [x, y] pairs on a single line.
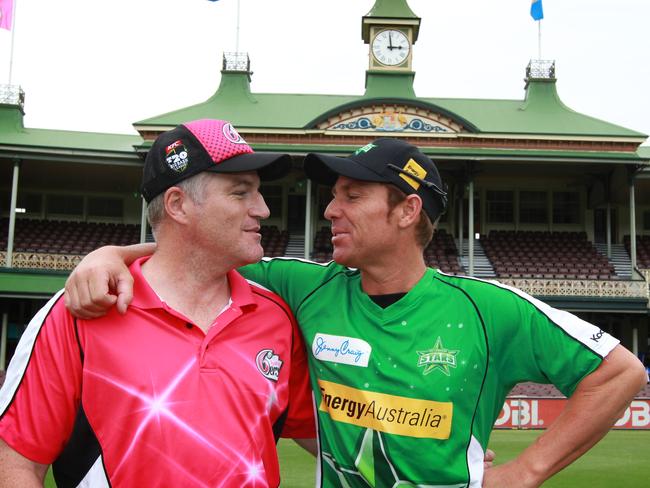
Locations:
{"points": [[364, 149], [437, 358]]}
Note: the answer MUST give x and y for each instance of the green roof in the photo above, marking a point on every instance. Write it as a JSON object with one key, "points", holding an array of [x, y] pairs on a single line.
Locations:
{"points": [[644, 152], [234, 102], [391, 9], [540, 113], [15, 134]]}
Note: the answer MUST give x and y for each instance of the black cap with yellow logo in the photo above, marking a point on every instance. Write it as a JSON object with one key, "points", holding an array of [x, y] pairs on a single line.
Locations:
{"points": [[385, 160]]}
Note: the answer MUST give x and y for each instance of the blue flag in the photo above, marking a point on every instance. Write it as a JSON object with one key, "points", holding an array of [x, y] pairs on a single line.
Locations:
{"points": [[536, 10]]}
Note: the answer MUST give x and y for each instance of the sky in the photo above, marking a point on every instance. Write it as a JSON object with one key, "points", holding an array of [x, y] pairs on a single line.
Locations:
{"points": [[101, 66]]}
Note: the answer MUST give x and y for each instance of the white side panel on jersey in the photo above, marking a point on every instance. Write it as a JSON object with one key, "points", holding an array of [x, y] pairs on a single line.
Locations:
{"points": [[257, 285], [475, 457], [308, 261], [588, 334], [591, 336], [319, 454], [20, 359], [96, 476]]}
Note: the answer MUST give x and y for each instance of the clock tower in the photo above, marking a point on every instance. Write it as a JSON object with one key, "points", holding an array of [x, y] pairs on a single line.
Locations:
{"points": [[390, 29]]}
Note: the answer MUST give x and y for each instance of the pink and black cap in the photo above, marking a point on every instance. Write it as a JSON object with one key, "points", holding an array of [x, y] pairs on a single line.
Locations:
{"points": [[385, 160], [204, 145]]}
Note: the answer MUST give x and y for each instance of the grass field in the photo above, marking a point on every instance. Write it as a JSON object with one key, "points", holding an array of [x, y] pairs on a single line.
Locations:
{"points": [[620, 460]]}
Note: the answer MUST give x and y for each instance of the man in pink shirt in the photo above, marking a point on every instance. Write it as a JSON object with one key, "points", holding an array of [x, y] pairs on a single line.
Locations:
{"points": [[187, 388]]}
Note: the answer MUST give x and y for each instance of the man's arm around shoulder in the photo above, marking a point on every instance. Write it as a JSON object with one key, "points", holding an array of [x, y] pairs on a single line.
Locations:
{"points": [[598, 401], [102, 280], [18, 471]]}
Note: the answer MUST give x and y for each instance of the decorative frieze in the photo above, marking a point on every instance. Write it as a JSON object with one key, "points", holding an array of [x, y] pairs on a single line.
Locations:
{"points": [[581, 288], [32, 260], [391, 118]]}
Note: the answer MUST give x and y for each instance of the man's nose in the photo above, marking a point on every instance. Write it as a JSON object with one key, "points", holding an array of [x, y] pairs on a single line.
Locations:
{"points": [[260, 209], [332, 210]]}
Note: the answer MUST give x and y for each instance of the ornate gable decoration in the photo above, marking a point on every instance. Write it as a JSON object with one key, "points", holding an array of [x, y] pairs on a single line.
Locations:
{"points": [[391, 118]]}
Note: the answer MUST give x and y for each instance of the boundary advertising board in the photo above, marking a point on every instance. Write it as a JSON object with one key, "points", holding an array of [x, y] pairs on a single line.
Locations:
{"points": [[539, 413]]}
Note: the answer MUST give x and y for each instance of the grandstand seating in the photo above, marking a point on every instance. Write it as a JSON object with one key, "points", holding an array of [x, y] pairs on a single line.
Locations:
{"points": [[66, 237], [538, 254], [529, 389], [274, 241], [642, 250], [512, 254], [322, 251], [442, 253]]}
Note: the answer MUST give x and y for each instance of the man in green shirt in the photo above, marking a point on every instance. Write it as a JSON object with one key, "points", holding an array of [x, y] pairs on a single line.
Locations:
{"points": [[409, 366]]}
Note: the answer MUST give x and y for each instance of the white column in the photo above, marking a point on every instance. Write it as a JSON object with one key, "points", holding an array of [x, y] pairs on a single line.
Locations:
{"points": [[635, 341], [632, 227], [3, 341], [143, 221], [12, 215], [308, 221], [609, 230], [460, 221], [470, 227]]}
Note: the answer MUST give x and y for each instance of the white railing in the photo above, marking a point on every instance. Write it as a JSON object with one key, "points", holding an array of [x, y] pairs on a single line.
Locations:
{"points": [[35, 260], [540, 69], [236, 62], [12, 95], [581, 288]]}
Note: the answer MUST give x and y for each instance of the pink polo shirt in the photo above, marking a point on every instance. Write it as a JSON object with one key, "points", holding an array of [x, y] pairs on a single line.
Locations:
{"points": [[148, 399]]}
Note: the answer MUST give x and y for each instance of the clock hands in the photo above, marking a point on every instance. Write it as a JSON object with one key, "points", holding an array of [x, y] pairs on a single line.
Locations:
{"points": [[390, 42]]}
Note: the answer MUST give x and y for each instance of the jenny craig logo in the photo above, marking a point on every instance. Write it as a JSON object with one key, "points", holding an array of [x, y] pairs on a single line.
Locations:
{"points": [[341, 349], [269, 364]]}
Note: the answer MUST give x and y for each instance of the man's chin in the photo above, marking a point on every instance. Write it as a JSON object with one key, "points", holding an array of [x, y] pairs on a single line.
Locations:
{"points": [[251, 258], [343, 259]]}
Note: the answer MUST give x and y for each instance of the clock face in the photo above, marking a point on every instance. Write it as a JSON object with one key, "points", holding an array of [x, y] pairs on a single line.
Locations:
{"points": [[390, 47]]}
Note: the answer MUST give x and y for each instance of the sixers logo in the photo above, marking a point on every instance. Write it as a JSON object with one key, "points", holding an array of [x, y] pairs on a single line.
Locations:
{"points": [[176, 156], [269, 364], [230, 133]]}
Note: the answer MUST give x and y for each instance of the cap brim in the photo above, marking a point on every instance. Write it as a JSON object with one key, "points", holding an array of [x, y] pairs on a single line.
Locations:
{"points": [[325, 169], [269, 166]]}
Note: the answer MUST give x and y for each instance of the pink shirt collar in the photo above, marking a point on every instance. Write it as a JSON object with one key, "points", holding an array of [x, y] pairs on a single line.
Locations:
{"points": [[144, 297]]}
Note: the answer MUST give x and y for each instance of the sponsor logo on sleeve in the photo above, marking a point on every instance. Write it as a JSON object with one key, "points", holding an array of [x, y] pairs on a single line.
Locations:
{"points": [[412, 417], [341, 349], [269, 364], [598, 335]]}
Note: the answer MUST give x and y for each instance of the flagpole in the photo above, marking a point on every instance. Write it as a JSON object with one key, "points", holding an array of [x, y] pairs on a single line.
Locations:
{"points": [[539, 39], [237, 38], [13, 32]]}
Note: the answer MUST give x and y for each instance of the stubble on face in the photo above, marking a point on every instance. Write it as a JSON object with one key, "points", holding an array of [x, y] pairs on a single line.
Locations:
{"points": [[228, 219], [361, 222]]}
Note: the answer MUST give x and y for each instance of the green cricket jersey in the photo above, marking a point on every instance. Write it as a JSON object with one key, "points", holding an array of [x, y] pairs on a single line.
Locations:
{"points": [[408, 395]]}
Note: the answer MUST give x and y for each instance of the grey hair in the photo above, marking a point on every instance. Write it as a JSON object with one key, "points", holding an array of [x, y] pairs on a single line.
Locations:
{"points": [[194, 187]]}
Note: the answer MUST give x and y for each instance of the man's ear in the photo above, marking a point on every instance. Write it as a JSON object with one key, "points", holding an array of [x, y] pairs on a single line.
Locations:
{"points": [[176, 204], [410, 210]]}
